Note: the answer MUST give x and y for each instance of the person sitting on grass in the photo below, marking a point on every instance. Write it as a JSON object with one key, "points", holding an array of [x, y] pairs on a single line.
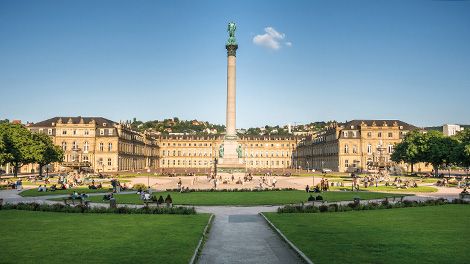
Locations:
{"points": [[107, 197], [464, 191], [92, 187], [74, 195], [168, 201], [40, 188], [53, 188]]}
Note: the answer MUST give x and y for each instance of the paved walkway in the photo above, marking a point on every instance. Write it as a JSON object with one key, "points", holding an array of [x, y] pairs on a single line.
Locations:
{"points": [[241, 235]]}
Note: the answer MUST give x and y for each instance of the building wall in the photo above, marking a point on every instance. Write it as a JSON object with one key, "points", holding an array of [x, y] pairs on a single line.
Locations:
{"points": [[351, 146]]}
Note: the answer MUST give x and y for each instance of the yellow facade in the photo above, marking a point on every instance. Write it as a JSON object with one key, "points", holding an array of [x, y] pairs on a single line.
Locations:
{"points": [[352, 146], [107, 146]]}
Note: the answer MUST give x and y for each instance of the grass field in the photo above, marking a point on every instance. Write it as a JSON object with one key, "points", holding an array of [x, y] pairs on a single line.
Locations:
{"points": [[434, 234], [246, 198], [34, 192], [382, 188], [43, 237]]}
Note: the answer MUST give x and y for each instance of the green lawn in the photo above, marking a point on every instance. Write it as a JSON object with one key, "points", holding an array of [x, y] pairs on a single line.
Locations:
{"points": [[44, 237], [383, 188], [246, 198], [434, 234], [34, 191]]}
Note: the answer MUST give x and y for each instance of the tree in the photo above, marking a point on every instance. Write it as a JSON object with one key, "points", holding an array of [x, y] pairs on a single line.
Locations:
{"points": [[461, 154], [438, 149], [19, 148], [409, 150], [46, 151]]}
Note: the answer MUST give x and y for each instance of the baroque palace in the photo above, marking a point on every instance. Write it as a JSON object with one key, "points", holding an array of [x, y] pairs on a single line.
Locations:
{"points": [[102, 145], [353, 146]]}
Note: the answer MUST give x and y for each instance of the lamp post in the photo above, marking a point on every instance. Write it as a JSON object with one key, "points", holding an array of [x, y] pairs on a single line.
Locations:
{"points": [[148, 178]]}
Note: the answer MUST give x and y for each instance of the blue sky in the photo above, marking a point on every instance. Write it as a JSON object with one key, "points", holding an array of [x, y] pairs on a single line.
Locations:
{"points": [[298, 61]]}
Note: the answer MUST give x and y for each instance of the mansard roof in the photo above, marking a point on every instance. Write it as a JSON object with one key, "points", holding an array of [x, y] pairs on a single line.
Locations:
{"points": [[379, 123], [51, 122]]}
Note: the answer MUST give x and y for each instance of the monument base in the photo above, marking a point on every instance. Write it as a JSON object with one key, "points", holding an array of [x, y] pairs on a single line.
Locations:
{"points": [[230, 163]]}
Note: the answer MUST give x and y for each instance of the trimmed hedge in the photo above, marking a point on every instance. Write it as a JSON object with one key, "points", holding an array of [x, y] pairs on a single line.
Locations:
{"points": [[385, 204], [98, 210]]}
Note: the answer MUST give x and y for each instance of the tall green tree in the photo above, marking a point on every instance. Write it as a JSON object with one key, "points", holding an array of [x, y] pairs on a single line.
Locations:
{"points": [[461, 155], [438, 149], [409, 150], [46, 151], [19, 147]]}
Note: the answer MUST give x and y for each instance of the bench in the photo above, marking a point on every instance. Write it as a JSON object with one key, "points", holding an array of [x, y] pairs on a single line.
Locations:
{"points": [[70, 199]]}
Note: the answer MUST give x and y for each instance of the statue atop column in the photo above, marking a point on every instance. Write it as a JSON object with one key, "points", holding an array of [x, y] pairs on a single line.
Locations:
{"points": [[231, 34]]}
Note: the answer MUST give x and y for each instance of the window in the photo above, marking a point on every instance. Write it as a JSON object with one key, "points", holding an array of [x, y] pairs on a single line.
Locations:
{"points": [[100, 161], [101, 132], [110, 146], [49, 131], [74, 145], [85, 146], [346, 148], [101, 146], [369, 149], [390, 148], [41, 130], [110, 131], [346, 163], [354, 149], [86, 132], [369, 134], [74, 131], [379, 134], [345, 133], [109, 162], [64, 132], [64, 146], [390, 134], [85, 158]]}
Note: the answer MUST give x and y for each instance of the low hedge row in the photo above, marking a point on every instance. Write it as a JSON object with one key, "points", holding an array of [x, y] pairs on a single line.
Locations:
{"points": [[234, 190], [99, 210], [385, 204]]}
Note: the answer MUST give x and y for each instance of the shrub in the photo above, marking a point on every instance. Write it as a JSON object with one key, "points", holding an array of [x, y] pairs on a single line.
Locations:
{"points": [[139, 186], [323, 208], [99, 210], [311, 198], [319, 198]]}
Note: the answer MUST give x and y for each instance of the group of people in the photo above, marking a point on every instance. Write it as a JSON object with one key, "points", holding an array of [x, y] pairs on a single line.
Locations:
{"points": [[18, 184]]}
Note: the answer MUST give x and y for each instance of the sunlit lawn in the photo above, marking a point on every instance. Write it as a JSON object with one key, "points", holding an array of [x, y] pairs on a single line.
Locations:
{"points": [[45, 237], [433, 234]]}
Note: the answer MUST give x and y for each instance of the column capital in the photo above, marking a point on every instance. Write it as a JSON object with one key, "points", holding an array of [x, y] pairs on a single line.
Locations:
{"points": [[231, 49]]}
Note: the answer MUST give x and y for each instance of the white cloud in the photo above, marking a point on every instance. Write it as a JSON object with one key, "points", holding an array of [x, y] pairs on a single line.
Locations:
{"points": [[289, 44], [271, 39]]}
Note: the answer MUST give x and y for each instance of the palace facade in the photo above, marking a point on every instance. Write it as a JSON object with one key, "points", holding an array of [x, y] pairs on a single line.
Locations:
{"points": [[103, 145], [99, 144], [352, 146]]}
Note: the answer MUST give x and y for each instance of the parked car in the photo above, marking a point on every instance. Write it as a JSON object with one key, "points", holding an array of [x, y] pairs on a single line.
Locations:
{"points": [[326, 170]]}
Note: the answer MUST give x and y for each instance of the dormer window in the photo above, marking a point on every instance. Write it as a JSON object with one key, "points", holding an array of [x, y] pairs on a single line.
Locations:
{"points": [[101, 132], [104, 124]]}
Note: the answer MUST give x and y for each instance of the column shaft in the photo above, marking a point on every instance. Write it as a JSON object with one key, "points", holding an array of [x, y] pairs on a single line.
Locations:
{"points": [[231, 96]]}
